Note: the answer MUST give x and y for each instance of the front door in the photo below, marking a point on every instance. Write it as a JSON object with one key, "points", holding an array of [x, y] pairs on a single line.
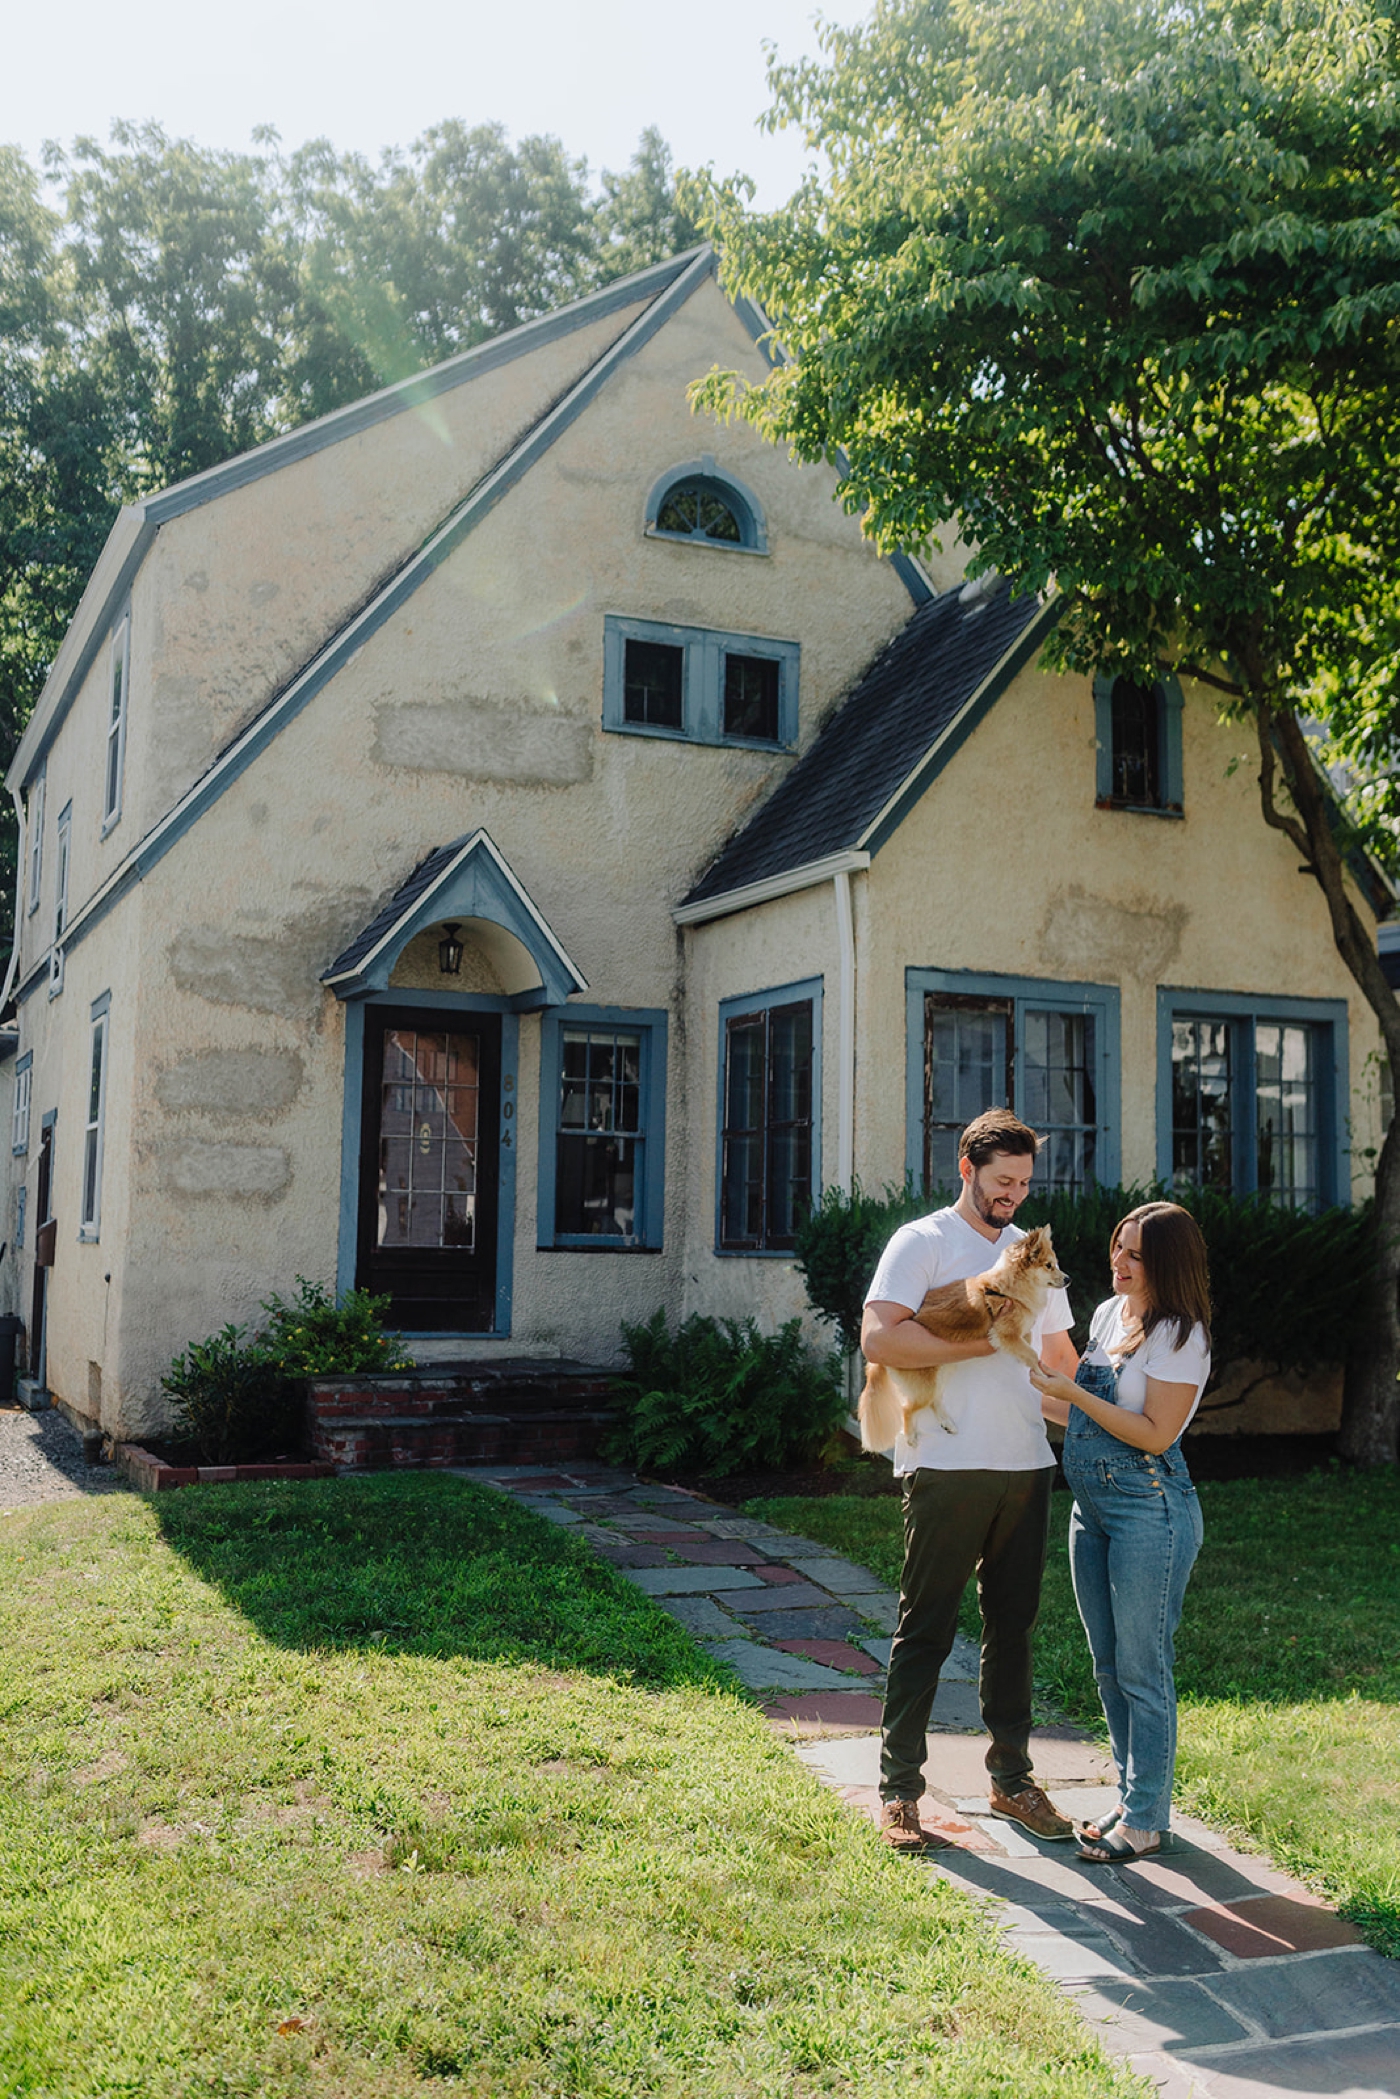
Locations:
{"points": [[429, 1161], [45, 1240]]}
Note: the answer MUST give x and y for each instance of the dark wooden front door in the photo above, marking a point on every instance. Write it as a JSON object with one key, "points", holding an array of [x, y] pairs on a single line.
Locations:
{"points": [[429, 1160], [45, 1239]]}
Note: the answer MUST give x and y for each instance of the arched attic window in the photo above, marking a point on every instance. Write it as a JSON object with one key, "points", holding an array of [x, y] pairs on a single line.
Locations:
{"points": [[701, 503]]}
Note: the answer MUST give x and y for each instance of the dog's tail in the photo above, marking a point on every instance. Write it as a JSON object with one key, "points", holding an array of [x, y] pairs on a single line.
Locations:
{"points": [[879, 1413]]}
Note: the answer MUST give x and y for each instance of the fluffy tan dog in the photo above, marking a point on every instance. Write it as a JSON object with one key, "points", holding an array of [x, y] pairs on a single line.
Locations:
{"points": [[1000, 1306]]}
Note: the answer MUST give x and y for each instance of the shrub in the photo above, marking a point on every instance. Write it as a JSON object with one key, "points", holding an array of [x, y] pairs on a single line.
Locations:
{"points": [[717, 1396], [231, 1401], [237, 1400], [1288, 1288], [316, 1336]]}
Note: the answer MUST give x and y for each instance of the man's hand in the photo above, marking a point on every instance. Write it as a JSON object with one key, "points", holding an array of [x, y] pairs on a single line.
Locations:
{"points": [[890, 1334]]}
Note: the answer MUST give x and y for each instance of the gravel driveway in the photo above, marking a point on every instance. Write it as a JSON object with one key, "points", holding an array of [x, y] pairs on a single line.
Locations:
{"points": [[41, 1459]]}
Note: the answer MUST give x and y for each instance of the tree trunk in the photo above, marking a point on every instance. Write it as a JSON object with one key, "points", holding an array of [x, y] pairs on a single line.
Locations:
{"points": [[1370, 1433]]}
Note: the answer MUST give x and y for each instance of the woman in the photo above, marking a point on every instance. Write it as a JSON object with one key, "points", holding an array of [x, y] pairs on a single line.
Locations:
{"points": [[1135, 1528]]}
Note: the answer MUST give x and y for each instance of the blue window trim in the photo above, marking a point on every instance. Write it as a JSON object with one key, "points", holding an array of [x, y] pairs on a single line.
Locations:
{"points": [[1029, 994], [651, 1024], [1244, 1009], [90, 1228], [703, 701], [748, 511], [446, 1002], [23, 1065], [735, 1009], [121, 639], [1169, 763], [99, 1005]]}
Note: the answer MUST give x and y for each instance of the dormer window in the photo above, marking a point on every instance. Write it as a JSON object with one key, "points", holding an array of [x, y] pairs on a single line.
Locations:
{"points": [[1138, 733], [702, 503]]}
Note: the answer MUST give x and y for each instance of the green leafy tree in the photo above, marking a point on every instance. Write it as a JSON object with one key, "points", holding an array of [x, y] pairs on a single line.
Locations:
{"points": [[1115, 287], [641, 218]]}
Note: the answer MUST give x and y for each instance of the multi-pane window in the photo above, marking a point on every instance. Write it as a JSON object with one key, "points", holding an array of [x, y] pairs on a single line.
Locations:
{"points": [[1137, 730], [19, 1125], [699, 685], [1047, 1051], [702, 509], [600, 1135], [767, 1162], [1137, 744], [984, 1053], [36, 840], [428, 1139], [602, 1128], [60, 906], [1250, 1106], [119, 676], [93, 1127]]}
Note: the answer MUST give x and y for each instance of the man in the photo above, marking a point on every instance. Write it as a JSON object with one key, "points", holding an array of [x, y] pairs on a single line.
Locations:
{"points": [[976, 1494]]}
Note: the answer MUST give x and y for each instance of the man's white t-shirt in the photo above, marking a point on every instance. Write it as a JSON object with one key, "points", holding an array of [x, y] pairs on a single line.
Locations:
{"points": [[997, 1425], [1158, 1356]]}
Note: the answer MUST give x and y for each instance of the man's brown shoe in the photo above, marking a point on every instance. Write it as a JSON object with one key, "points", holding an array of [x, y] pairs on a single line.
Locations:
{"points": [[1033, 1809], [900, 1826]]}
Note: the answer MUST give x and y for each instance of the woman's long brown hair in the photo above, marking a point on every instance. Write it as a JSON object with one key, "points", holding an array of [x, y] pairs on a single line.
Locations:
{"points": [[1174, 1268]]}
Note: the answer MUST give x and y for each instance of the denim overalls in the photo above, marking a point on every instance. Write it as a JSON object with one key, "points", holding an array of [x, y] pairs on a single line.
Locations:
{"points": [[1133, 1538]]}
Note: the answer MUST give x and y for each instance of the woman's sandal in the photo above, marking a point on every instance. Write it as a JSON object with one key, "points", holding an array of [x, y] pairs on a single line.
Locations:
{"points": [[1114, 1849], [1095, 1832]]}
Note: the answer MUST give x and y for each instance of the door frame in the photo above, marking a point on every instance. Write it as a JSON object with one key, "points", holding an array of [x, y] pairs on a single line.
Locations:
{"points": [[448, 1004]]}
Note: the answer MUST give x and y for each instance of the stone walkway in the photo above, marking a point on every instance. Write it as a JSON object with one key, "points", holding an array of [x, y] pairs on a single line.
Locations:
{"points": [[1212, 1974]]}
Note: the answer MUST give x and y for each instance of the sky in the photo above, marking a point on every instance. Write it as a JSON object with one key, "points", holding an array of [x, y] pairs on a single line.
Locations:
{"points": [[370, 73]]}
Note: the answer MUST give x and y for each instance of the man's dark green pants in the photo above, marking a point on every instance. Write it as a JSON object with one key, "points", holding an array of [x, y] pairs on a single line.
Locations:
{"points": [[954, 1522]]}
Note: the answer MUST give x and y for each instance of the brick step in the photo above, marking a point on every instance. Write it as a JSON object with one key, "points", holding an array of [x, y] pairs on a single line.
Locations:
{"points": [[507, 1411], [378, 1442]]}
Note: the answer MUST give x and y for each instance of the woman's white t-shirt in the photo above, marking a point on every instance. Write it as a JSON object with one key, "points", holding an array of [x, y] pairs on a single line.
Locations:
{"points": [[1158, 1356]]}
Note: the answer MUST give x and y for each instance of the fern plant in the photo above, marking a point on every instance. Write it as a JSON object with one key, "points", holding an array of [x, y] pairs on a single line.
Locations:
{"points": [[718, 1396]]}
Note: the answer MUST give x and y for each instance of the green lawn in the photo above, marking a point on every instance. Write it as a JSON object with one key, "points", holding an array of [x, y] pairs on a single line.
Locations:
{"points": [[386, 1787], [1288, 1667]]}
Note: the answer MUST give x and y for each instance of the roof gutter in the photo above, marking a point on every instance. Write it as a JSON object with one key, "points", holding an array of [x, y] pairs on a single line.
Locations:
{"points": [[771, 887]]}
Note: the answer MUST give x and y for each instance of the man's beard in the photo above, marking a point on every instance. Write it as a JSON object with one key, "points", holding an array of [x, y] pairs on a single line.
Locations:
{"points": [[995, 1210]]}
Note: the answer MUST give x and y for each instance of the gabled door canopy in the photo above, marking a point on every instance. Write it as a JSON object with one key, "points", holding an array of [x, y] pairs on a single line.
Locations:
{"points": [[470, 881]]}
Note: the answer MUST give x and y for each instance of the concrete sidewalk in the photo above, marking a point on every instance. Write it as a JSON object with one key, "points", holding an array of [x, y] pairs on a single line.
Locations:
{"points": [[1210, 1972]]}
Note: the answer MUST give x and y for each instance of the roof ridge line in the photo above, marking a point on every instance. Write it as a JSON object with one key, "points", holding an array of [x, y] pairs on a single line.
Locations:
{"points": [[360, 626]]}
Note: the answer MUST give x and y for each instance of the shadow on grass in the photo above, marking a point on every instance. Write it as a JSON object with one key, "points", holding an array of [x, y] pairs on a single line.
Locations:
{"points": [[416, 1563]]}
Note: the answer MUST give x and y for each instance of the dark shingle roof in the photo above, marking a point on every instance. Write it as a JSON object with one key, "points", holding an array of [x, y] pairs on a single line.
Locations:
{"points": [[836, 796], [397, 908]]}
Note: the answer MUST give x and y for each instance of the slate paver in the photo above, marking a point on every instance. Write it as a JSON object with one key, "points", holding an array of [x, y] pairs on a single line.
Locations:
{"points": [[1146, 2013], [552, 1512], [702, 1619], [837, 1654], [656, 1532], [1359, 2065], [837, 1709], [881, 1611], [1330, 1991], [775, 1574], [688, 1581], [832, 1623], [721, 1552], [798, 1596], [841, 1576], [765, 1669], [1268, 1925]]}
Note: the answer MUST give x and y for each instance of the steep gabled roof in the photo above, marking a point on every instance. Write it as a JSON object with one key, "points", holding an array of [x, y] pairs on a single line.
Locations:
{"points": [[879, 752]]}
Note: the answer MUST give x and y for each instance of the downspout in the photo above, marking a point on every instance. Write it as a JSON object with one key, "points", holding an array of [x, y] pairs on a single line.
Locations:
{"points": [[21, 855], [845, 1033]]}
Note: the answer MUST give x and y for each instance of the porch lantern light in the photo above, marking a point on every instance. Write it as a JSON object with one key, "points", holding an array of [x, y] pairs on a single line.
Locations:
{"points": [[450, 951]]}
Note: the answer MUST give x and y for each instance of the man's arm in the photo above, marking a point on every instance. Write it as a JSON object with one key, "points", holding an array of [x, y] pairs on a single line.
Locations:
{"points": [[890, 1334]]}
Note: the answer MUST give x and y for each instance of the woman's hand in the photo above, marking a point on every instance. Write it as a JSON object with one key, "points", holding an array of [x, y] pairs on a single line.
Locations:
{"points": [[1050, 1384]]}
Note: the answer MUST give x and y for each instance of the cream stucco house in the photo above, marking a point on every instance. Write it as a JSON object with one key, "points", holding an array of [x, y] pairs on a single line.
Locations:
{"points": [[513, 844]]}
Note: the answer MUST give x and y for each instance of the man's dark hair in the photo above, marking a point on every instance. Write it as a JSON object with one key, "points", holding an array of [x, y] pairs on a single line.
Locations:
{"points": [[996, 1130]]}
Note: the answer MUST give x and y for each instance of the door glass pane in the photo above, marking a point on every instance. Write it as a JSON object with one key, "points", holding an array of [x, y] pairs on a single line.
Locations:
{"points": [[429, 1104]]}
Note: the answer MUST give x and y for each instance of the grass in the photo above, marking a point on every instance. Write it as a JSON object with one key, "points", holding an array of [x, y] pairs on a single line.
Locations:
{"points": [[1288, 1668], [386, 1787]]}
